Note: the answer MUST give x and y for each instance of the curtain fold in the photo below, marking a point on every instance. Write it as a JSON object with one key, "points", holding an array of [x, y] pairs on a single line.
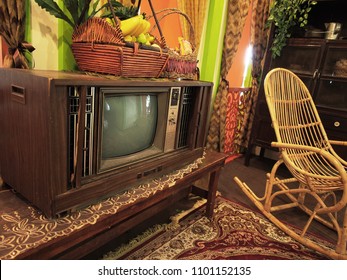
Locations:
{"points": [[12, 29], [196, 11], [259, 40], [237, 13]]}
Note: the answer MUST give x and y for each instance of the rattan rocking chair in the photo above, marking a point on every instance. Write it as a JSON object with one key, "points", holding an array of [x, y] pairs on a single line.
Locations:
{"points": [[318, 185]]}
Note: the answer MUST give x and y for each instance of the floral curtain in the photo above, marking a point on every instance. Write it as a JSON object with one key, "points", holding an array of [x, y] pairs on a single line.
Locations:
{"points": [[237, 13], [196, 10], [259, 39], [12, 29]]}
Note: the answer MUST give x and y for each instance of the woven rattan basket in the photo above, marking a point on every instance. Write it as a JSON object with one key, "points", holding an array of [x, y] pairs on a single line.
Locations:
{"points": [[99, 47], [180, 66]]}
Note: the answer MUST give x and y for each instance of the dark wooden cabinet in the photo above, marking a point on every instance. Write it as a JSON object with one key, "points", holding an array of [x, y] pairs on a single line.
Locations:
{"points": [[322, 66]]}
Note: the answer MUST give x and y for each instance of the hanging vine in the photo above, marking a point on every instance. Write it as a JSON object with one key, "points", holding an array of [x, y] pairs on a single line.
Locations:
{"points": [[285, 15]]}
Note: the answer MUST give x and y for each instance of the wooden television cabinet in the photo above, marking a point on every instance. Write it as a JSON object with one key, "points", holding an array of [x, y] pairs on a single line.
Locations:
{"points": [[58, 170]]}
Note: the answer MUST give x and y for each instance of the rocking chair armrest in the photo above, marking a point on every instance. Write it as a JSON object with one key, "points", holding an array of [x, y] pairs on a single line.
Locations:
{"points": [[339, 143], [335, 161], [297, 147]]}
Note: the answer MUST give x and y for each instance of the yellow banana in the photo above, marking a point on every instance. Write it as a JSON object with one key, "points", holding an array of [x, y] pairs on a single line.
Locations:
{"points": [[141, 27], [137, 30], [129, 25], [147, 26]]}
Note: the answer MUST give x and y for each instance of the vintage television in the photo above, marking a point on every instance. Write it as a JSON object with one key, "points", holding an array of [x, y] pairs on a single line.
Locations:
{"points": [[68, 140]]}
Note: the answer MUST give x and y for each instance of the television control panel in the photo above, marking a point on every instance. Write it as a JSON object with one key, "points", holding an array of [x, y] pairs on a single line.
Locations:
{"points": [[171, 125]]}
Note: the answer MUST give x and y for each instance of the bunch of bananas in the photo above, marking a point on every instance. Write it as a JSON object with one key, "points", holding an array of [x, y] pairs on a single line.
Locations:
{"points": [[135, 26], [135, 29]]}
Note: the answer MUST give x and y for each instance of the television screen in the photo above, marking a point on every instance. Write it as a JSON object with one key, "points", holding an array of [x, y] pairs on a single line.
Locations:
{"points": [[129, 124]]}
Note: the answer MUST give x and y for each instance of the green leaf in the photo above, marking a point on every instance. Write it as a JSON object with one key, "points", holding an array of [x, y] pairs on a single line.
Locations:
{"points": [[81, 12], [52, 7], [285, 14], [74, 12], [73, 7], [122, 12]]}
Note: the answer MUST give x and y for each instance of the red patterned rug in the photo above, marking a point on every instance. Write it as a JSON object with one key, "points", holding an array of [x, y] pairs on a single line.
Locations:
{"points": [[235, 232]]}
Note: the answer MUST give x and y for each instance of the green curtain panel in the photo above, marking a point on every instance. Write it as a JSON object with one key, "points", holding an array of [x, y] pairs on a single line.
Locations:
{"points": [[212, 42], [66, 60]]}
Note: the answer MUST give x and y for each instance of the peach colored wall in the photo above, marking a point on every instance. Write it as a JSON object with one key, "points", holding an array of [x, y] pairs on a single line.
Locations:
{"points": [[235, 74], [44, 37], [170, 25]]}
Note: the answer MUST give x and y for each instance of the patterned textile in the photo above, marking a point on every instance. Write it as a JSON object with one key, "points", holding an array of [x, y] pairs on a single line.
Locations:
{"points": [[237, 13], [237, 101], [27, 229], [196, 10], [259, 38], [235, 232], [12, 29]]}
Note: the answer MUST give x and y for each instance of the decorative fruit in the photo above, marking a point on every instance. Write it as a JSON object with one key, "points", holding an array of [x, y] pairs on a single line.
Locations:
{"points": [[129, 25], [150, 38], [128, 38], [142, 38], [135, 25], [156, 46], [110, 21], [142, 27], [185, 46], [147, 26]]}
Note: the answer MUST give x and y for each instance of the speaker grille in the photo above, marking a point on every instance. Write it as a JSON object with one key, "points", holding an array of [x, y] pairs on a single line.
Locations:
{"points": [[88, 129], [185, 116]]}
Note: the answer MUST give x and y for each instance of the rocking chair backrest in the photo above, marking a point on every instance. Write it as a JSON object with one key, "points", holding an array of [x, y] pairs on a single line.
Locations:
{"points": [[296, 122], [294, 115]]}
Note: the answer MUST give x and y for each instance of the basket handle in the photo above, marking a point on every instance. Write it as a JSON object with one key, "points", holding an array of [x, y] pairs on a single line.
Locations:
{"points": [[163, 42], [171, 11], [157, 24], [116, 20]]}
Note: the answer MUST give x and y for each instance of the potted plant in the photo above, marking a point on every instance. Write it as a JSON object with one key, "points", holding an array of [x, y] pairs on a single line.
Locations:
{"points": [[285, 15], [77, 12]]}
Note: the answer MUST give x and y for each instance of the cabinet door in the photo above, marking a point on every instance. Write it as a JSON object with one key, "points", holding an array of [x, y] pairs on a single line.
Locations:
{"points": [[303, 57], [331, 90], [335, 61], [331, 93]]}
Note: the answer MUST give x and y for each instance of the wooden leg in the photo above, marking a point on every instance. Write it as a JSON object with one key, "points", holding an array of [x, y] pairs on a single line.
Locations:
{"points": [[212, 190], [1, 182], [248, 156], [262, 152]]}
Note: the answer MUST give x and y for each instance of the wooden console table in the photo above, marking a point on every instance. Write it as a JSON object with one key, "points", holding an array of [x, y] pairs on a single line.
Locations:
{"points": [[26, 234]]}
